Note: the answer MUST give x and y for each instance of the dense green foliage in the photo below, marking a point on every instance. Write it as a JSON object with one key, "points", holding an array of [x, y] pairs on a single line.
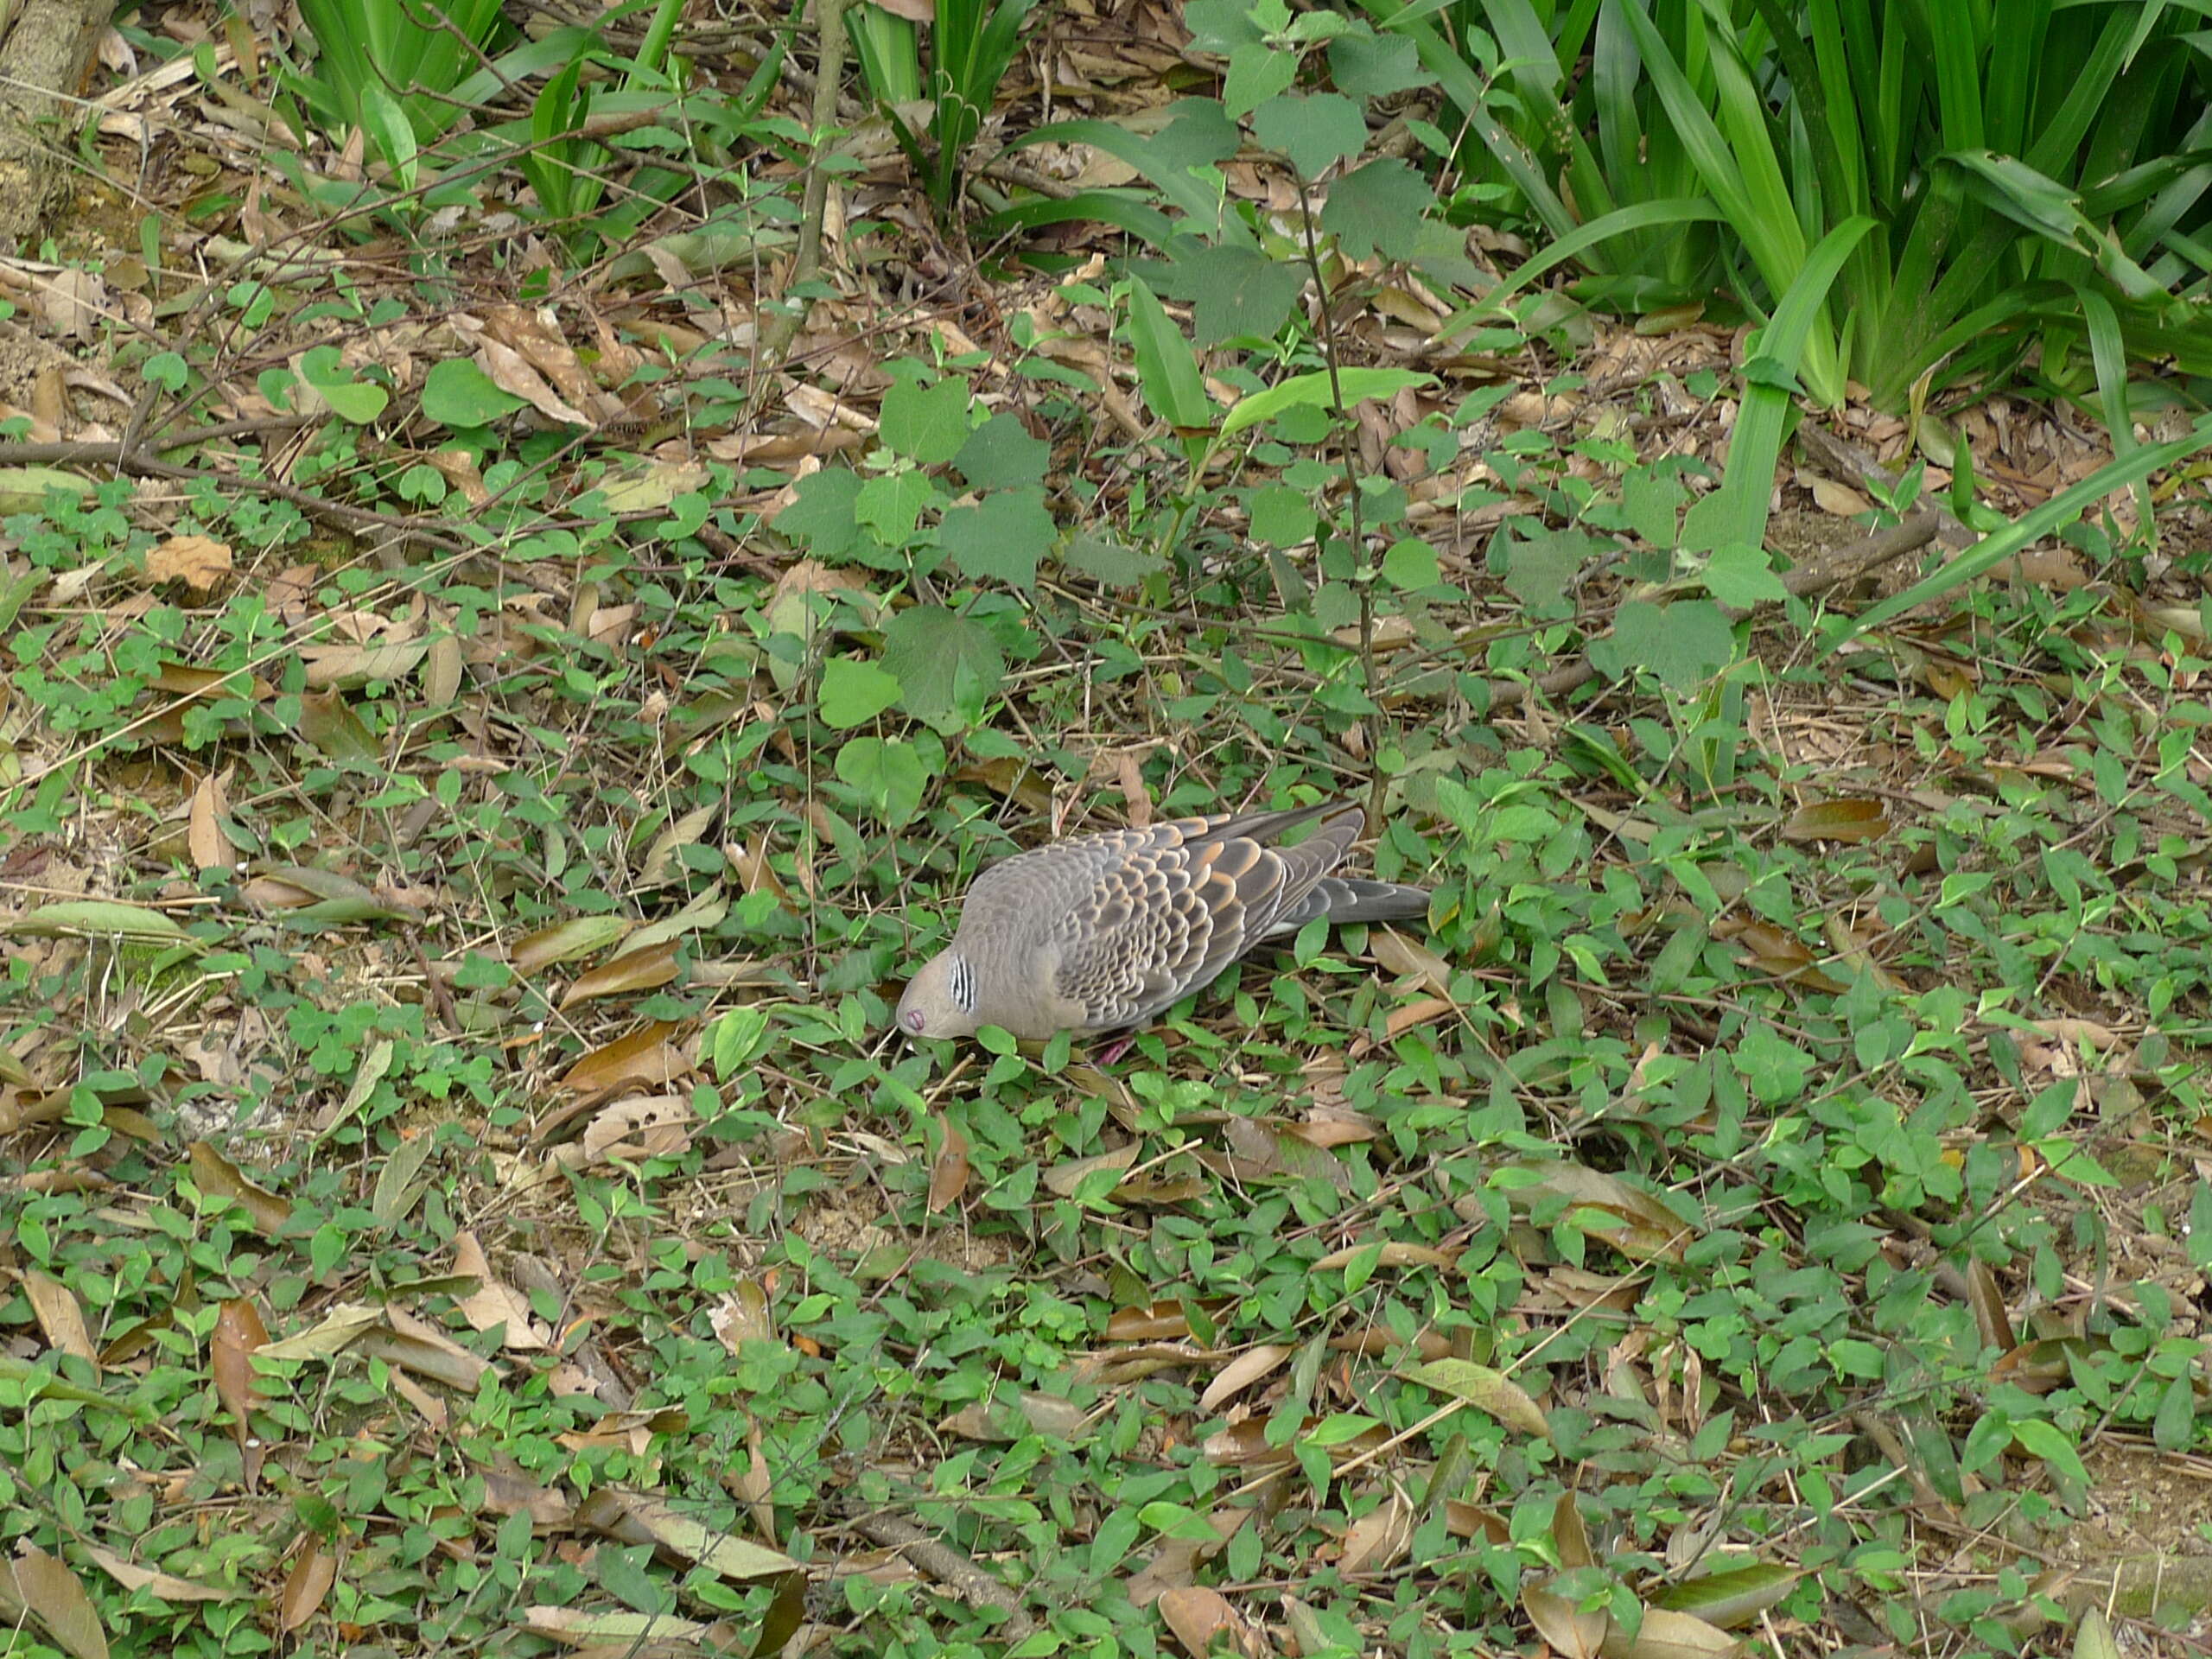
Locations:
{"points": [[468, 1199]]}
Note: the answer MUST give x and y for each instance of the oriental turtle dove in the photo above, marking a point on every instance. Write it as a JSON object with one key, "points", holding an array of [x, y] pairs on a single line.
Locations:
{"points": [[1104, 931]]}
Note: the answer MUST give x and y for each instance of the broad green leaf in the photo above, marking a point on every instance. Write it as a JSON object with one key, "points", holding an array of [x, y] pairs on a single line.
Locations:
{"points": [[1651, 502], [456, 393], [854, 693], [736, 1039], [1315, 129], [2051, 1444], [948, 666], [1410, 565], [823, 513], [1103, 559], [2174, 1425], [1540, 565], [1282, 516], [1684, 644], [1001, 455], [1001, 537], [891, 503], [1237, 291], [927, 424], [888, 774], [1382, 206], [1341, 1428], [1220, 27], [1741, 575], [1256, 74], [350, 397], [1374, 65]]}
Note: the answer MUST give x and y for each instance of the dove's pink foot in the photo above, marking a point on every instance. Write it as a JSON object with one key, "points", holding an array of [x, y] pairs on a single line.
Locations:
{"points": [[1119, 1046]]}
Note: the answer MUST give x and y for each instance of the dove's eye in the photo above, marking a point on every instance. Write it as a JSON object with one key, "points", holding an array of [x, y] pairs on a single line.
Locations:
{"points": [[914, 1020]]}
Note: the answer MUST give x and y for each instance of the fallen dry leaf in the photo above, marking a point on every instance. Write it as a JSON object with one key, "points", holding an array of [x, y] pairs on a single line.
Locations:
{"points": [[201, 562], [239, 1334]]}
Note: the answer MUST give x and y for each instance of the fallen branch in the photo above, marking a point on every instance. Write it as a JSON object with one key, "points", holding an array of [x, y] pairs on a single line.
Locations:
{"points": [[949, 1567]]}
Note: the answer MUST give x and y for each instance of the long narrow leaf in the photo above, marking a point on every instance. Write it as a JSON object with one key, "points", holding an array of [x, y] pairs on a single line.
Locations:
{"points": [[1776, 247], [1735, 514], [1956, 26], [2041, 204], [1170, 173], [889, 53], [2054, 515], [2108, 357], [1645, 215], [2086, 85], [1125, 210], [2016, 54], [1167, 369], [1468, 93]]}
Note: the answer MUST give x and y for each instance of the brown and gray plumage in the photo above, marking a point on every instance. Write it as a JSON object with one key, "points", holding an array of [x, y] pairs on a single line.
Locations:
{"points": [[1104, 931]]}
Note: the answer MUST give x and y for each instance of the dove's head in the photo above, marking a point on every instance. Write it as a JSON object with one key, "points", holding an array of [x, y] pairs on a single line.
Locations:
{"points": [[940, 1000]]}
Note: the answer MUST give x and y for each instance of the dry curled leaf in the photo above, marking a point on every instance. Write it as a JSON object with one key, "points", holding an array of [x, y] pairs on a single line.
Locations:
{"points": [[1378, 1540], [949, 1169], [1200, 1616], [240, 1334], [309, 1580], [201, 562], [494, 1305], [1248, 1367], [60, 1319], [50, 1590]]}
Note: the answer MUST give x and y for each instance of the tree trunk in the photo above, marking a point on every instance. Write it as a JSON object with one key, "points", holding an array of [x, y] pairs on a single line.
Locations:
{"points": [[45, 56]]}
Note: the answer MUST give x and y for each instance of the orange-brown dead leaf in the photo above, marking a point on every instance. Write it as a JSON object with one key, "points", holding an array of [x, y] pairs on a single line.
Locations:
{"points": [[238, 1333], [646, 1057], [628, 974], [949, 1169], [1378, 1540], [1200, 1616], [1848, 819], [494, 1304], [217, 1175], [60, 1319], [48, 1587], [204, 837], [201, 562], [1161, 1321], [1261, 1360], [313, 1572]]}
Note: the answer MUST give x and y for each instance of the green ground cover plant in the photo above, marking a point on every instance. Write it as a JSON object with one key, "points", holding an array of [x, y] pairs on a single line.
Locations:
{"points": [[482, 755]]}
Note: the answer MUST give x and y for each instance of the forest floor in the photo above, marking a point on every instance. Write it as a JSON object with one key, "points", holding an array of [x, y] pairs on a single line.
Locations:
{"points": [[468, 803]]}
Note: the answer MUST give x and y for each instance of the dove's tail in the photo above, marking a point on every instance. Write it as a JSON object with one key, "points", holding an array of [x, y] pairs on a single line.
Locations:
{"points": [[1344, 899]]}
